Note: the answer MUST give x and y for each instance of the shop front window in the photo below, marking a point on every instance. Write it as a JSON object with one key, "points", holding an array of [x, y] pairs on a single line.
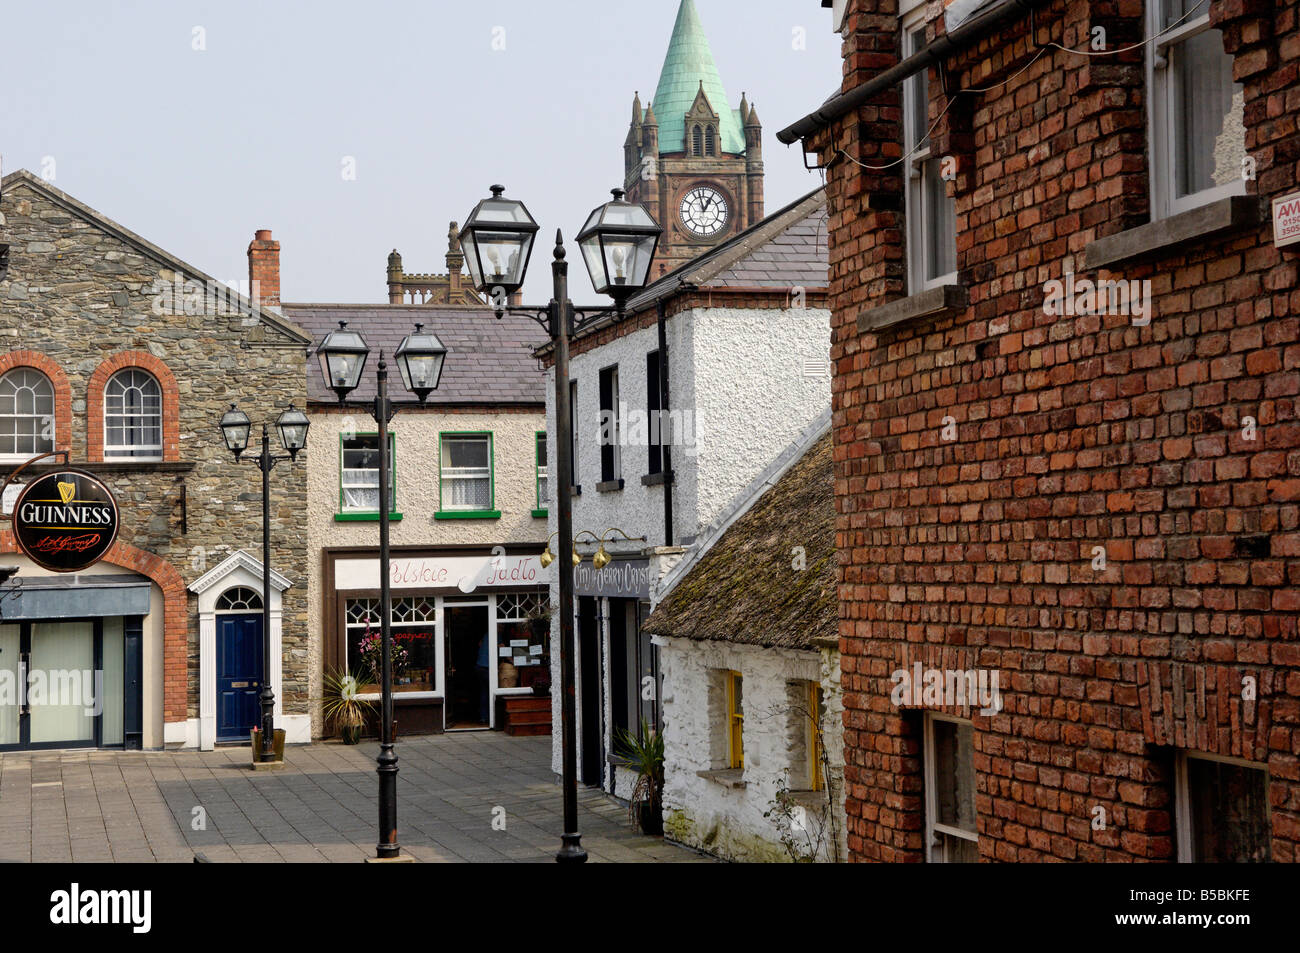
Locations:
{"points": [[523, 637], [415, 644]]}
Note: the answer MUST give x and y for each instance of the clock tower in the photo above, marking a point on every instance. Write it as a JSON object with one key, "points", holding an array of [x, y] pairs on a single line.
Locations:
{"points": [[692, 160]]}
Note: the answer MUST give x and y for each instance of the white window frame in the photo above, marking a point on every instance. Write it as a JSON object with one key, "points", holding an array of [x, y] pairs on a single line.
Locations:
{"points": [[48, 423], [932, 826], [1162, 128], [113, 451], [1183, 797], [917, 216], [446, 473], [440, 684], [344, 486]]}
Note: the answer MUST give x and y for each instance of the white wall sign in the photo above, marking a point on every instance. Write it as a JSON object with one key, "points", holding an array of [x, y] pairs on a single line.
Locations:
{"points": [[465, 573], [1286, 220]]}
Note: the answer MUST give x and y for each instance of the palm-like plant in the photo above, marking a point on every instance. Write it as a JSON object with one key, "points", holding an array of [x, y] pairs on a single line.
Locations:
{"points": [[341, 703], [644, 754]]}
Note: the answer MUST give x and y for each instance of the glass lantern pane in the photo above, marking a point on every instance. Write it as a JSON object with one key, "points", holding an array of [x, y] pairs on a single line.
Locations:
{"points": [[469, 245], [501, 257], [620, 260], [645, 249], [422, 371], [595, 267], [502, 210]]}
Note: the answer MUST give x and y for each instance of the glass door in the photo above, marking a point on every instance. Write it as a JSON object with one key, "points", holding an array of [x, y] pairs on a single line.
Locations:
{"points": [[61, 682], [11, 684]]}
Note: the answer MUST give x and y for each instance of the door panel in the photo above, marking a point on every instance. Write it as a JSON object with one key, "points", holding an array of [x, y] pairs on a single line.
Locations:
{"points": [[63, 666], [10, 688], [239, 675]]}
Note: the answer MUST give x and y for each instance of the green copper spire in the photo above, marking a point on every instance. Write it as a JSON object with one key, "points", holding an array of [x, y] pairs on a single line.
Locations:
{"points": [[688, 63]]}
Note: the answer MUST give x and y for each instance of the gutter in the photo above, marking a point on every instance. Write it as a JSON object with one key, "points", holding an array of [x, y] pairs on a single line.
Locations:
{"points": [[935, 53]]}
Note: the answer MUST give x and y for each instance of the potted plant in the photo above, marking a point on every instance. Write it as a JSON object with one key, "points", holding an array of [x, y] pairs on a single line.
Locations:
{"points": [[372, 656], [645, 756], [343, 707]]}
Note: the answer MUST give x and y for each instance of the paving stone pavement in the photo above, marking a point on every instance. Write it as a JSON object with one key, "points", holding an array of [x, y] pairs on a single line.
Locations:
{"points": [[139, 806]]}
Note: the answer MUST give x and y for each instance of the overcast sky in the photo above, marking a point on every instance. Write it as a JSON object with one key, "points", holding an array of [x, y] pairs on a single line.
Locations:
{"points": [[194, 149]]}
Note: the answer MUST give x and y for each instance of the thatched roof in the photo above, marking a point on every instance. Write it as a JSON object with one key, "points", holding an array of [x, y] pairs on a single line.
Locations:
{"points": [[745, 588]]}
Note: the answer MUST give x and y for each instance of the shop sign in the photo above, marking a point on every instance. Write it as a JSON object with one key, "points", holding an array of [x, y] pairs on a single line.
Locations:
{"points": [[466, 573], [65, 521], [1286, 220], [620, 579]]}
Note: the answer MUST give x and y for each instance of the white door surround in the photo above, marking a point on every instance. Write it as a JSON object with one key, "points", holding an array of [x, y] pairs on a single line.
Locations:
{"points": [[239, 569]]}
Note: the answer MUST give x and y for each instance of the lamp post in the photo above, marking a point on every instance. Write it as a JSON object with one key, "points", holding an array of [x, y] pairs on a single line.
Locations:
{"points": [[419, 358], [235, 427], [618, 243]]}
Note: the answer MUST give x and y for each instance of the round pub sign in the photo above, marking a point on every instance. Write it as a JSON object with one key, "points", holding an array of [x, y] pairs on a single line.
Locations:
{"points": [[65, 521]]}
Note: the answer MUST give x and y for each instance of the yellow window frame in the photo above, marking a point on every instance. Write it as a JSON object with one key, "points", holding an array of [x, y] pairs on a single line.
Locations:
{"points": [[815, 713], [735, 720]]}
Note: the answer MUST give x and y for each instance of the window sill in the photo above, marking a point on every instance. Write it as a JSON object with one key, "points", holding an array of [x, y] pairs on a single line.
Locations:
{"points": [[733, 778], [575, 490], [105, 466], [365, 517], [1225, 215], [943, 301], [657, 479], [542, 513], [609, 486], [467, 515]]}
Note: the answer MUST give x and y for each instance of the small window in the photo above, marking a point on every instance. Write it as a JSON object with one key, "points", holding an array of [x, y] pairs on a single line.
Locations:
{"points": [[930, 216], [239, 599], [133, 416], [1197, 131], [708, 141], [697, 141], [813, 721], [952, 836], [359, 474], [541, 471], [1222, 810], [610, 436], [26, 414], [735, 720], [654, 404], [467, 472]]}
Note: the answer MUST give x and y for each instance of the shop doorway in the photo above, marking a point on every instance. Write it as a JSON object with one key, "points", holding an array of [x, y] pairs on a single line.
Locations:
{"points": [[239, 675], [593, 751], [469, 660]]}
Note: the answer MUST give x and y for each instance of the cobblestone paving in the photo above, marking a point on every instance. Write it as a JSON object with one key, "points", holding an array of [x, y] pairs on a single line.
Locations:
{"points": [[128, 807]]}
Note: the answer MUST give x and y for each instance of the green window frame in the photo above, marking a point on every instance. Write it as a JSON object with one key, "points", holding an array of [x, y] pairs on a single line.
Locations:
{"points": [[347, 514], [541, 473], [446, 512]]}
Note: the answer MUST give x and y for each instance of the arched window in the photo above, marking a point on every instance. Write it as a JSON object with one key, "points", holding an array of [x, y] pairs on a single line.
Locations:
{"points": [[133, 415], [708, 141], [26, 414], [239, 599], [696, 140]]}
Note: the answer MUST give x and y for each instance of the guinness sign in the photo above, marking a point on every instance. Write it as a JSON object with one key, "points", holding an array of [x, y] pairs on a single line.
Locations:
{"points": [[65, 521]]}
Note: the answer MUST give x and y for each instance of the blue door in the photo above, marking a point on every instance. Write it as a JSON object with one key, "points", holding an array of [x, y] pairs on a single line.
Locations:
{"points": [[239, 675]]}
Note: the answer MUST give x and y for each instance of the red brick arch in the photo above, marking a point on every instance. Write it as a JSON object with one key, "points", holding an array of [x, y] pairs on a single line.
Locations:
{"points": [[95, 402], [175, 616], [62, 390]]}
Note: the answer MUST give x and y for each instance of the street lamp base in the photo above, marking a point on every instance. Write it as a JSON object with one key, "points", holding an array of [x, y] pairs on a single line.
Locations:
{"points": [[571, 852], [395, 859]]}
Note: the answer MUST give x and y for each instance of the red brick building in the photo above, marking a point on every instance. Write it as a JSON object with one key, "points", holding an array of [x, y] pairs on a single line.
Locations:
{"points": [[1066, 350]]}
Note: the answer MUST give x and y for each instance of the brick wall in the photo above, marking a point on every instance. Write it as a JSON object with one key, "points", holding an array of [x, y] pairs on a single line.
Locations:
{"points": [[1071, 433]]}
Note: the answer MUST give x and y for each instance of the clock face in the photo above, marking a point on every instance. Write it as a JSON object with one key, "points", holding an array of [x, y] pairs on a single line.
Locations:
{"points": [[704, 212]]}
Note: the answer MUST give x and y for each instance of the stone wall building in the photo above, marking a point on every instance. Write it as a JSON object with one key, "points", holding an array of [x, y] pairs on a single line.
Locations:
{"points": [[1066, 447], [749, 648], [124, 357]]}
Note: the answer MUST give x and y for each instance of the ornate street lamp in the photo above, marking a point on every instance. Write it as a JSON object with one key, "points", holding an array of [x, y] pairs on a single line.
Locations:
{"points": [[497, 239], [619, 264], [419, 358], [235, 427]]}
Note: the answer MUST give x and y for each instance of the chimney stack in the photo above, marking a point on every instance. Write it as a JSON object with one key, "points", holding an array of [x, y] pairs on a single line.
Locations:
{"points": [[264, 269]]}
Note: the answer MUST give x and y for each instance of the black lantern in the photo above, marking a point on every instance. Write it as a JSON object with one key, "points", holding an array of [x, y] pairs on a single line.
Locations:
{"points": [[234, 429], [342, 358], [618, 243], [293, 424], [497, 239], [419, 358]]}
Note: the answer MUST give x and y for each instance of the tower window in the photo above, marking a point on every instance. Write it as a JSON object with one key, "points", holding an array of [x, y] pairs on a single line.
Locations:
{"points": [[697, 138], [708, 141]]}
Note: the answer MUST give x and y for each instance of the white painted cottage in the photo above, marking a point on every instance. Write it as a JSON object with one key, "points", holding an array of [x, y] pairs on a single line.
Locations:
{"points": [[746, 332]]}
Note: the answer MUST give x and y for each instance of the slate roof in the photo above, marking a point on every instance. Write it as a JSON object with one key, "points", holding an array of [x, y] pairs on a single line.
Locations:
{"points": [[688, 62], [489, 361], [744, 587]]}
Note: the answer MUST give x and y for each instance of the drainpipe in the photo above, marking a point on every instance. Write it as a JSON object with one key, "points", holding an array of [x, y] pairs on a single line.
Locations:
{"points": [[665, 448]]}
